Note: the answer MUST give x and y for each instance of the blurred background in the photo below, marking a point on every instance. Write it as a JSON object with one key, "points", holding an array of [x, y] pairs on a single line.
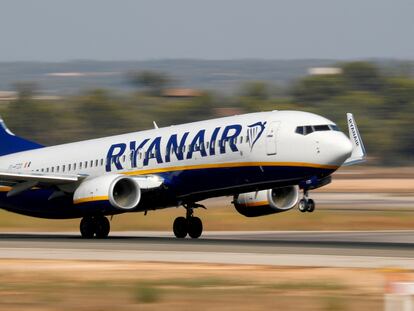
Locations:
{"points": [[54, 103], [96, 68], [74, 70]]}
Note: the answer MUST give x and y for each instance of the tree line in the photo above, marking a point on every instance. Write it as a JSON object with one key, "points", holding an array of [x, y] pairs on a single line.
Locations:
{"points": [[382, 102]]}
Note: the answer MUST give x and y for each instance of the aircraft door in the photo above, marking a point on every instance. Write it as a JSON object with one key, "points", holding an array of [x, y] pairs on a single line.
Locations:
{"points": [[271, 138]]}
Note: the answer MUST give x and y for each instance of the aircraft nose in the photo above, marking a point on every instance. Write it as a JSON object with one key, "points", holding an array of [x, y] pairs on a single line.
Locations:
{"points": [[341, 149]]}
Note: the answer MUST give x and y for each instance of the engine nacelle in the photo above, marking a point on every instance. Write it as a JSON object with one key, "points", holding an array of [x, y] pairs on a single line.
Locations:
{"points": [[121, 191], [266, 202]]}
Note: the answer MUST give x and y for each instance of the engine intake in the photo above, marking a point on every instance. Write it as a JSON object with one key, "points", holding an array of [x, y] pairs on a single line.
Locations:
{"points": [[122, 192], [266, 202]]}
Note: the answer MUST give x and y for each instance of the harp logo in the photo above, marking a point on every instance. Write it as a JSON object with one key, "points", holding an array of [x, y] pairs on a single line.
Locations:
{"points": [[254, 132]]}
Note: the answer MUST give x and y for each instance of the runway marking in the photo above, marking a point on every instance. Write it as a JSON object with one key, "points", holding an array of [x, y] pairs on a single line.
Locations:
{"points": [[365, 249], [291, 260]]}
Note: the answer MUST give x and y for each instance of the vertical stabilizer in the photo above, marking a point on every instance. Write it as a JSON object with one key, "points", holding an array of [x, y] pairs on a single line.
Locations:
{"points": [[10, 143]]}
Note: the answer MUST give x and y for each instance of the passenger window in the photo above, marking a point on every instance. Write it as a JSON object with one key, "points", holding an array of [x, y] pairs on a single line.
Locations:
{"points": [[52, 169], [96, 163], [86, 164], [63, 168], [57, 169], [123, 158], [74, 166], [47, 170], [69, 167], [91, 163], [101, 162], [80, 165]]}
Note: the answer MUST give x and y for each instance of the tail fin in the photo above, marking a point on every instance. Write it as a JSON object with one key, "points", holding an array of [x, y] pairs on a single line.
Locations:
{"points": [[10, 143]]}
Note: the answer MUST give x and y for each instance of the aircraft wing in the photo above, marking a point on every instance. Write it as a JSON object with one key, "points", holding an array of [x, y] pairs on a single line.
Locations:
{"points": [[55, 179], [359, 154], [21, 181]]}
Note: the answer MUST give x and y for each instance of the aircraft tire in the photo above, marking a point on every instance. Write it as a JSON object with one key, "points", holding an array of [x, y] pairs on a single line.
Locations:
{"points": [[180, 227], [195, 227], [87, 227], [311, 206], [303, 205], [102, 227]]}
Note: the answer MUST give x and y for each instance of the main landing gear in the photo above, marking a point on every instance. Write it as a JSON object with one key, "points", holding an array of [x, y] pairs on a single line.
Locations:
{"points": [[306, 204], [94, 226], [190, 224]]}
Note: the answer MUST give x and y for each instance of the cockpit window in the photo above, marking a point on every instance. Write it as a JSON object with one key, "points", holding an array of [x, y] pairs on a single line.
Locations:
{"points": [[307, 129], [321, 128], [334, 127], [300, 130]]}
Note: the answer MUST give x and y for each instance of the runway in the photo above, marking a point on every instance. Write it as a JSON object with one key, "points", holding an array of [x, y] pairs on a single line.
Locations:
{"points": [[364, 249]]}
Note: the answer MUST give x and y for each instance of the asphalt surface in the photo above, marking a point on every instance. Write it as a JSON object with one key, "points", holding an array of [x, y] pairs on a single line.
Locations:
{"points": [[368, 249]]}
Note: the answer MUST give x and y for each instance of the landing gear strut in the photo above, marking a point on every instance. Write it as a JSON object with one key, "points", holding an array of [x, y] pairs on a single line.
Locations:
{"points": [[306, 204], [94, 226], [190, 224]]}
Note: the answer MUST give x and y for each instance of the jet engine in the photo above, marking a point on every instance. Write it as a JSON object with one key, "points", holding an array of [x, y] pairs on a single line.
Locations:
{"points": [[266, 202], [122, 192]]}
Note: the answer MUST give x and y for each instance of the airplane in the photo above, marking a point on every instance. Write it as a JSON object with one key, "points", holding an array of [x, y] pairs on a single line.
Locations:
{"points": [[263, 160]]}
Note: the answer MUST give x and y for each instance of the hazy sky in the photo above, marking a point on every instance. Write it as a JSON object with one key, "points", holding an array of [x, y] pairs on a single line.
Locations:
{"points": [[54, 30]]}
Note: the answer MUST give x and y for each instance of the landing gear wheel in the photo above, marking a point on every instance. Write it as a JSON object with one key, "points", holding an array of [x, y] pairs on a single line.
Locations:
{"points": [[87, 227], [311, 206], [102, 227], [303, 205], [180, 227], [195, 227]]}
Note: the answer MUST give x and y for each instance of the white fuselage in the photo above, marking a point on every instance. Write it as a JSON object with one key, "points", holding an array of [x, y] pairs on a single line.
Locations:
{"points": [[214, 143]]}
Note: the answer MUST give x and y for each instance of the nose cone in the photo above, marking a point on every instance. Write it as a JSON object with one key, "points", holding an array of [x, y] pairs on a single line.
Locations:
{"points": [[340, 149]]}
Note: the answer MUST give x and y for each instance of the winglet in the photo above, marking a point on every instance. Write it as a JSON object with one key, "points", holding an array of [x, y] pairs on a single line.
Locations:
{"points": [[358, 150], [155, 124]]}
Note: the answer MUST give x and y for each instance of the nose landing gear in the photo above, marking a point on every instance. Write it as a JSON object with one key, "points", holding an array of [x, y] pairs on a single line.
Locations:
{"points": [[190, 224], [306, 204]]}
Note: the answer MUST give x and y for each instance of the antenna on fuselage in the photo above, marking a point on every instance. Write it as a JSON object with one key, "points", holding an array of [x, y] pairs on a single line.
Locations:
{"points": [[155, 124]]}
